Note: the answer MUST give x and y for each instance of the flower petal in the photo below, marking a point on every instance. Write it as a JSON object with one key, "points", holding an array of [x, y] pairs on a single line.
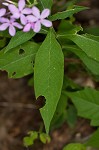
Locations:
{"points": [[31, 18], [17, 25], [27, 11], [36, 12], [23, 19], [27, 27], [2, 12], [4, 26], [45, 13], [13, 9], [4, 20], [21, 4], [46, 23], [37, 27], [32, 25], [16, 15], [12, 30]]}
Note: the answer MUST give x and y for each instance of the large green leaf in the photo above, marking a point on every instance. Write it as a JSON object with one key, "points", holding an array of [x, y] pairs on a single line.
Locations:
{"points": [[94, 140], [20, 38], [87, 104], [90, 63], [48, 76], [67, 13], [88, 45], [46, 3], [19, 61]]}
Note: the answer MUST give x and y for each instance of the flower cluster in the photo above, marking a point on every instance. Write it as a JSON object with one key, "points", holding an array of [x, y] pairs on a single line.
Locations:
{"points": [[22, 17]]}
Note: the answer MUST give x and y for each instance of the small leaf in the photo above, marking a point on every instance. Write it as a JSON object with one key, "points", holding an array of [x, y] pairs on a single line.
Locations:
{"points": [[20, 38], [87, 104], [75, 146], [45, 138], [67, 13], [29, 140], [48, 76], [94, 140]]}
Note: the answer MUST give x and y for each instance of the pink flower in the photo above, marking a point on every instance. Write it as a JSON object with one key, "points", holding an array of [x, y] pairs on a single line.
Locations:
{"points": [[19, 12], [30, 23], [2, 13], [40, 18], [11, 24]]}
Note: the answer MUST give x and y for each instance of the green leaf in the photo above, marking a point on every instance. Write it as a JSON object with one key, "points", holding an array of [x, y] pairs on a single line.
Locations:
{"points": [[94, 140], [87, 104], [69, 84], [20, 38], [88, 45], [19, 61], [67, 13], [71, 116], [2, 42], [5, 34], [66, 27], [92, 37], [45, 138], [46, 3], [90, 63], [48, 76], [75, 146], [60, 113], [92, 30], [29, 140]]}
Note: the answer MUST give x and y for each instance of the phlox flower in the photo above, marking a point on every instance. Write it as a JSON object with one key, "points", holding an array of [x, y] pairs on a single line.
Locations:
{"points": [[2, 13], [30, 23], [11, 24], [20, 11], [40, 18]]}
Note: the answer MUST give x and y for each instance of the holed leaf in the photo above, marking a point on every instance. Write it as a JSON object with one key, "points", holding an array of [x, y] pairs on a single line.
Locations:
{"points": [[48, 76], [20, 38], [19, 61]]}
